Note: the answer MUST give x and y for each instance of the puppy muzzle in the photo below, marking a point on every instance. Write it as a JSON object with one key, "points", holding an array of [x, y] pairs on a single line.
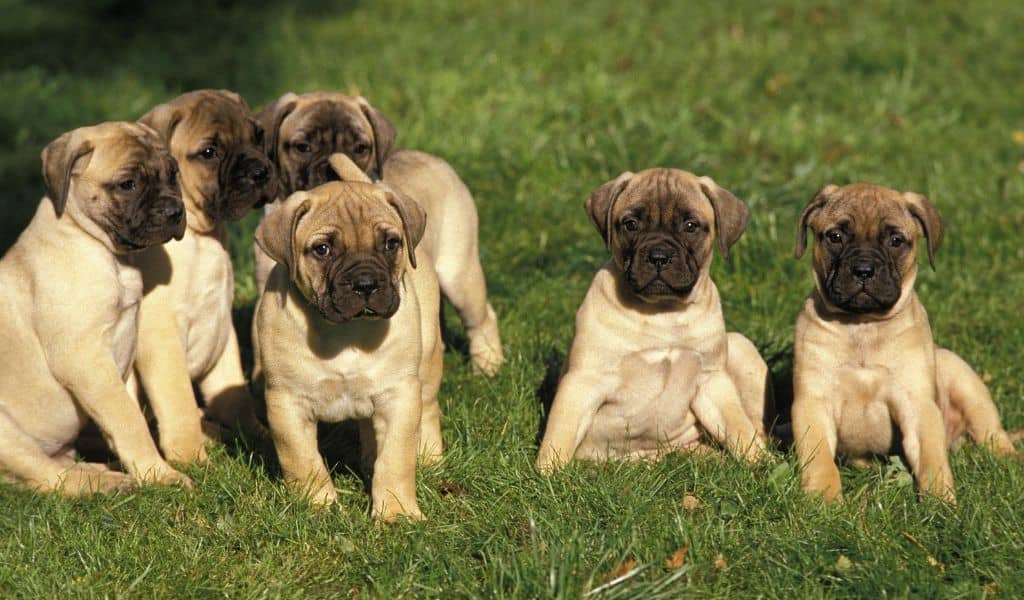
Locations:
{"points": [[863, 281], [361, 291], [660, 269]]}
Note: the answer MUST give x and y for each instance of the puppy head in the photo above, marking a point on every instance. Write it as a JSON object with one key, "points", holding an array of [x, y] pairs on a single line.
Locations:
{"points": [[118, 182], [865, 244], [304, 131], [219, 148], [661, 225], [346, 245]]}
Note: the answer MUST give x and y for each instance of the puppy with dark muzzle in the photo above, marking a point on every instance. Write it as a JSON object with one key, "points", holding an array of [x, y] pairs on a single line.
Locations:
{"points": [[349, 329], [652, 369], [867, 377], [185, 330], [304, 131], [70, 302]]}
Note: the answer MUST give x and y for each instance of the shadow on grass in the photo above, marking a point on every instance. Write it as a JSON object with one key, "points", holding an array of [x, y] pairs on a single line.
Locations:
{"points": [[64, 59]]}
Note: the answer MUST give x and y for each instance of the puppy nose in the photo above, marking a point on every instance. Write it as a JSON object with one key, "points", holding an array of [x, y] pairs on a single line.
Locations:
{"points": [[171, 212], [260, 174], [863, 270], [659, 257], [364, 284]]}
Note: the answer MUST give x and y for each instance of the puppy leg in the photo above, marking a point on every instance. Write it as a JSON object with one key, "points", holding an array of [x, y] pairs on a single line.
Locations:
{"points": [[462, 281], [969, 396], [577, 400], [24, 461], [720, 412], [225, 392], [162, 367], [924, 440], [750, 374], [815, 438], [396, 424], [294, 434], [431, 445]]}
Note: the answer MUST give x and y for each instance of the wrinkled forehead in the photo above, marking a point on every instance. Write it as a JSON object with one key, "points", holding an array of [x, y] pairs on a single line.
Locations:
{"points": [[867, 214], [214, 115], [664, 196], [126, 146], [349, 208], [326, 114]]}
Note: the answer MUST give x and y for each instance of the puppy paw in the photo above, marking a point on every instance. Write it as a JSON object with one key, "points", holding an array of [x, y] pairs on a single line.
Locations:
{"points": [[186, 448], [827, 485], [391, 514], [84, 479], [485, 352], [165, 475], [323, 496]]}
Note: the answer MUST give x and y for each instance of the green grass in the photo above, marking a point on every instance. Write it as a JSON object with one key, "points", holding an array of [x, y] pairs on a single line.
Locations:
{"points": [[536, 104]]}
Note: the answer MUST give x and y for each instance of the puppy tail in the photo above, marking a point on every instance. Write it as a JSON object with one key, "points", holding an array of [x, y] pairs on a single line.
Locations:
{"points": [[346, 169]]}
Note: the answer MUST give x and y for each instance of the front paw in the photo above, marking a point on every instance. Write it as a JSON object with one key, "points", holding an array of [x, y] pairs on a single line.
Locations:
{"points": [[84, 479], [824, 482], [166, 475], [485, 351], [185, 448], [391, 511]]}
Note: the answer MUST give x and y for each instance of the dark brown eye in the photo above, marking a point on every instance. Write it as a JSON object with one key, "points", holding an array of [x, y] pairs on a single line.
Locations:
{"points": [[127, 185], [392, 244], [631, 224], [323, 250], [691, 226], [361, 148], [834, 236], [303, 147], [896, 241], [208, 153]]}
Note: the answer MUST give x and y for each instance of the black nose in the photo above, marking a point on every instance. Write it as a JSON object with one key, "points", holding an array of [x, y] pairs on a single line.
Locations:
{"points": [[863, 269], [260, 174], [659, 257], [364, 284], [171, 212]]}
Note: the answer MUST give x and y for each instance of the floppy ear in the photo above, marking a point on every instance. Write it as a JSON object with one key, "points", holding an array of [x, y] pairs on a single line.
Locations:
{"points": [[817, 202], [928, 216], [270, 119], [383, 136], [346, 169], [731, 214], [164, 119], [59, 158], [276, 233], [600, 202], [414, 220]]}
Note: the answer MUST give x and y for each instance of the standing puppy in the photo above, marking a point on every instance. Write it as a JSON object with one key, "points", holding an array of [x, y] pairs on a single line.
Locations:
{"points": [[70, 303], [304, 131], [186, 333], [349, 329], [651, 367], [867, 377]]}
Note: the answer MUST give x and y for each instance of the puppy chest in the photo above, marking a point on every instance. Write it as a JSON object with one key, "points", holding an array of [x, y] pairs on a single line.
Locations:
{"points": [[205, 311], [864, 422]]}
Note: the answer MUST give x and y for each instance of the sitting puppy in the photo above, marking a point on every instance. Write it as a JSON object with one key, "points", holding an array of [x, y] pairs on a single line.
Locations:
{"points": [[867, 377], [185, 331], [304, 131], [70, 303], [349, 329], [651, 367]]}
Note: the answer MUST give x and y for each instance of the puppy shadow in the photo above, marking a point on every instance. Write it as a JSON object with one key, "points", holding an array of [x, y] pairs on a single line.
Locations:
{"points": [[453, 338], [554, 363], [780, 372]]}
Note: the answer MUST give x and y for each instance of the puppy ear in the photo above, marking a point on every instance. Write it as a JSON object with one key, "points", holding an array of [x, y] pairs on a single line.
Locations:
{"points": [[346, 169], [383, 136], [600, 202], [270, 119], [234, 97], [928, 217], [731, 214], [414, 220], [275, 235], [59, 159], [164, 119], [817, 202]]}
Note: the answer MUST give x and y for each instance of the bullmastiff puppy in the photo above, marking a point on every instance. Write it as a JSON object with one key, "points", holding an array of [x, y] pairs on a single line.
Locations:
{"points": [[652, 369], [304, 131], [185, 329], [867, 378], [70, 302], [349, 329]]}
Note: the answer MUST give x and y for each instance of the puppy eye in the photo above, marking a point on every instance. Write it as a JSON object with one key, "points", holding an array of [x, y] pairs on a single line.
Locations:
{"points": [[127, 185], [392, 244], [834, 236], [631, 224], [322, 250], [896, 241], [303, 147], [361, 148], [208, 152], [691, 226]]}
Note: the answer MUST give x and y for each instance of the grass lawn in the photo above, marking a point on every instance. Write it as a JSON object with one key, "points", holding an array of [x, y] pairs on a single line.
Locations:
{"points": [[535, 104]]}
